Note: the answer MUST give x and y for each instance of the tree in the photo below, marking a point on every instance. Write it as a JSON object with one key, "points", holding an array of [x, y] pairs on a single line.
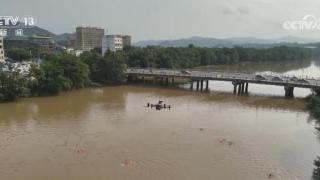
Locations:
{"points": [[111, 68], [313, 105], [63, 72], [74, 70], [12, 86], [316, 171], [91, 59], [179, 57], [18, 54], [48, 80]]}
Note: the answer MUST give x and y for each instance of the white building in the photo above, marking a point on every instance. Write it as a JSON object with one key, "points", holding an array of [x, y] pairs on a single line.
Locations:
{"points": [[111, 43], [74, 52], [1, 50], [114, 43]]}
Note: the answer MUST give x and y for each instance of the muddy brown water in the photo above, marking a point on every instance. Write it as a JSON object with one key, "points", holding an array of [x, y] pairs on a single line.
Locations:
{"points": [[108, 133]]}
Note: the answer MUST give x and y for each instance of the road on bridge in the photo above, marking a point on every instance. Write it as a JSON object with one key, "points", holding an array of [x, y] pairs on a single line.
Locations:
{"points": [[238, 79]]}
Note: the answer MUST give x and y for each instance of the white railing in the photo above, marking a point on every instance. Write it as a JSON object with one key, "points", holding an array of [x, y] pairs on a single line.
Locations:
{"points": [[229, 76]]}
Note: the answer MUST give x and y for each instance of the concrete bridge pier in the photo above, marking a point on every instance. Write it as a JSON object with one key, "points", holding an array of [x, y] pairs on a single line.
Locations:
{"points": [[172, 81], [242, 87], [234, 88], [201, 85], [235, 84], [239, 88], [198, 84], [143, 80], [247, 87], [191, 85], [167, 81], [207, 85], [161, 80], [289, 91]]}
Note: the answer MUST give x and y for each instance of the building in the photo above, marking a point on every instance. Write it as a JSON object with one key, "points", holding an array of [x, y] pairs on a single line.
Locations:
{"points": [[2, 60], [88, 38], [22, 36], [115, 43], [112, 43], [42, 41], [26, 42], [126, 41]]}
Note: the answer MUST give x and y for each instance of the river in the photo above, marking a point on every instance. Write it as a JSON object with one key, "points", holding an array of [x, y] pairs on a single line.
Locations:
{"points": [[108, 133]]}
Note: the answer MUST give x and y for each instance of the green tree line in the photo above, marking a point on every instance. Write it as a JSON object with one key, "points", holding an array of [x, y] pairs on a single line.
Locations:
{"points": [[159, 57], [64, 72]]}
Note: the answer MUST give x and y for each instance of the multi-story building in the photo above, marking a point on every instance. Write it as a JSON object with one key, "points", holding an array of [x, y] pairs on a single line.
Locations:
{"points": [[126, 41], [88, 38], [1, 50], [115, 43]]}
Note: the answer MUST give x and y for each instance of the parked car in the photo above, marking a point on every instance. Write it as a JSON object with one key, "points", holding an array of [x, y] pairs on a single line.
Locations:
{"points": [[259, 77], [293, 79], [276, 79], [303, 81], [185, 72]]}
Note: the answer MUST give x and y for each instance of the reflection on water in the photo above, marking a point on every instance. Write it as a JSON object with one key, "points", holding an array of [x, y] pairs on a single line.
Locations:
{"points": [[269, 66], [75, 105], [108, 133]]}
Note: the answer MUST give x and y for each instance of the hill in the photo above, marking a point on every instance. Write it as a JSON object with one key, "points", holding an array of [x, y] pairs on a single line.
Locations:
{"points": [[227, 42]]}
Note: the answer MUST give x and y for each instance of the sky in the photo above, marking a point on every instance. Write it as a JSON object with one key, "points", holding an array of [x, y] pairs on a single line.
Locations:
{"points": [[169, 19]]}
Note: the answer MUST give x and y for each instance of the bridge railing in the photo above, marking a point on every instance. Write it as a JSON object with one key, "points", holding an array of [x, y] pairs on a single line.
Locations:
{"points": [[230, 76]]}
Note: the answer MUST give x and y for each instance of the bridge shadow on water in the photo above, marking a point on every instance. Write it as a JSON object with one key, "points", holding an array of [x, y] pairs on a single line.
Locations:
{"points": [[250, 100]]}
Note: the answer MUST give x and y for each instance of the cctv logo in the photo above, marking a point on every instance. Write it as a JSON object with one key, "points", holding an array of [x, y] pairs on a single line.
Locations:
{"points": [[9, 21], [15, 20]]}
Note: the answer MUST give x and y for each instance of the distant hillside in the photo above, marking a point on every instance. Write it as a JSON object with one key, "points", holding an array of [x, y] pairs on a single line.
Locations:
{"points": [[66, 40], [197, 41], [27, 32], [64, 37], [148, 43], [227, 42]]}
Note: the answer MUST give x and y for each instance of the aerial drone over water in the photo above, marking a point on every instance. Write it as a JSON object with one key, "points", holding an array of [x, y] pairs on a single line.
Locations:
{"points": [[159, 106]]}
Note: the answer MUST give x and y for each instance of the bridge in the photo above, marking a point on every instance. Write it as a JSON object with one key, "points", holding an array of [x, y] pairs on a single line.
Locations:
{"points": [[240, 81]]}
